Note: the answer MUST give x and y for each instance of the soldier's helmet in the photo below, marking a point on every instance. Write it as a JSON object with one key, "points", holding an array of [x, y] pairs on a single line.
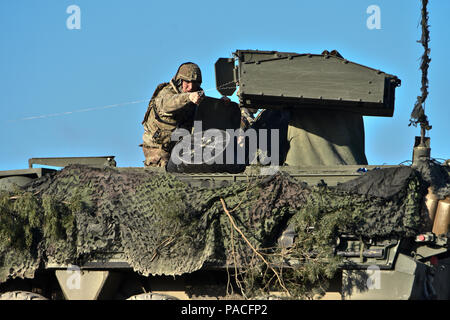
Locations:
{"points": [[189, 72]]}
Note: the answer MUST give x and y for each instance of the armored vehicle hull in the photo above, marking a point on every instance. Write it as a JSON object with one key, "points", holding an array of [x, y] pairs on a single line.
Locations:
{"points": [[302, 216], [393, 267]]}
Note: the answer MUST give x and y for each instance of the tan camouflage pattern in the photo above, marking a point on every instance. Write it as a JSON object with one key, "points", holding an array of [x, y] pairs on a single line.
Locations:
{"points": [[190, 72], [169, 110], [155, 157], [247, 118]]}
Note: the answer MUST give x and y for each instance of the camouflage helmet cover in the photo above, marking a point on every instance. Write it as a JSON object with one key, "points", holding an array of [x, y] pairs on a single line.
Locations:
{"points": [[190, 72]]}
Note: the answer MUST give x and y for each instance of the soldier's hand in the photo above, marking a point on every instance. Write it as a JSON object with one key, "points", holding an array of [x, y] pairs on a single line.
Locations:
{"points": [[196, 97], [241, 141]]}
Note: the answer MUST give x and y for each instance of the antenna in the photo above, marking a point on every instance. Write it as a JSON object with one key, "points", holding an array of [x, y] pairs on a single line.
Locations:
{"points": [[422, 150]]}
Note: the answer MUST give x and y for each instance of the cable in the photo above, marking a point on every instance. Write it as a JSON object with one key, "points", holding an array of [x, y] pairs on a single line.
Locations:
{"points": [[79, 110], [99, 108]]}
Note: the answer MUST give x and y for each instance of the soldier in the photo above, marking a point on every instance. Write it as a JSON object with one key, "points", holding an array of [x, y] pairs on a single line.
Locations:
{"points": [[247, 117], [172, 106]]}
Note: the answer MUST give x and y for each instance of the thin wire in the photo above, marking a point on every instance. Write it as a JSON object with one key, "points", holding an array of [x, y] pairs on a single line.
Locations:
{"points": [[103, 107], [79, 110], [222, 86]]}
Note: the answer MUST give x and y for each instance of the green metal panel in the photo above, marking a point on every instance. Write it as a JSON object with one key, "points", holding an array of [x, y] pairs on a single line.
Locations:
{"points": [[11, 178], [318, 80], [31, 173], [407, 281], [313, 77], [225, 78], [331, 175], [65, 161], [271, 79]]}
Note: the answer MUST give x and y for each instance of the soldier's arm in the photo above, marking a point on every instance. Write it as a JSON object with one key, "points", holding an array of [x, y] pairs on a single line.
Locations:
{"points": [[168, 101]]}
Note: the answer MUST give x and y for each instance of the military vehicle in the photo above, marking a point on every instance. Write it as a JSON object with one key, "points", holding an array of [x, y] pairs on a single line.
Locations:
{"points": [[339, 230]]}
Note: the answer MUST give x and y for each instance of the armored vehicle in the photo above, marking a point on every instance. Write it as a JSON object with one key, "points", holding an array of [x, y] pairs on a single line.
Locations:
{"points": [[301, 215]]}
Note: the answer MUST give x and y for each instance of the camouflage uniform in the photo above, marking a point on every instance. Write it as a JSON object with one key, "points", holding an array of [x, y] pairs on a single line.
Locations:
{"points": [[247, 117], [168, 109]]}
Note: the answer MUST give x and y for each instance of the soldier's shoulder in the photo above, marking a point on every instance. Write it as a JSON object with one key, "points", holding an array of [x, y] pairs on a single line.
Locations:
{"points": [[165, 89], [162, 87], [170, 86]]}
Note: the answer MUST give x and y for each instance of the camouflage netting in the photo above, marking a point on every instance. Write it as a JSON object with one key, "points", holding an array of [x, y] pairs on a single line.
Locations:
{"points": [[437, 176], [165, 226]]}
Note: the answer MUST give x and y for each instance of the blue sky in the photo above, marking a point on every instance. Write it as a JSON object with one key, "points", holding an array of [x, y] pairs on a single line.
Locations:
{"points": [[84, 92]]}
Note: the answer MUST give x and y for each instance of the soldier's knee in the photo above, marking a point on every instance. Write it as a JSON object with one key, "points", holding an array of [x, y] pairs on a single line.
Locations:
{"points": [[155, 157]]}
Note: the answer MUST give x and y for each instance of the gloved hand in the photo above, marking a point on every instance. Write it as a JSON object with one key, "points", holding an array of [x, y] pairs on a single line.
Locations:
{"points": [[196, 97]]}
